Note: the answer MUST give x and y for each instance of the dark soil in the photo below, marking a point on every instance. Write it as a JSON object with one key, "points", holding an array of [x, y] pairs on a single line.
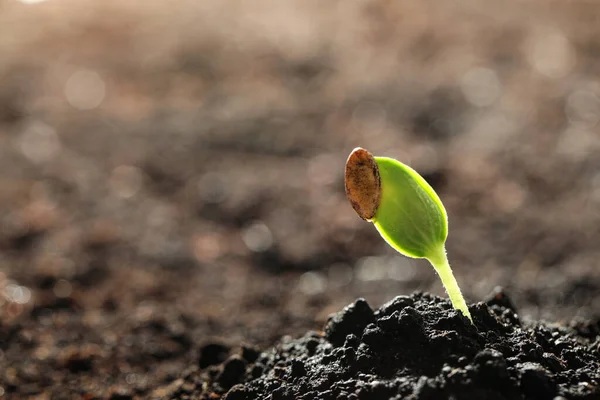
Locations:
{"points": [[172, 184], [414, 347]]}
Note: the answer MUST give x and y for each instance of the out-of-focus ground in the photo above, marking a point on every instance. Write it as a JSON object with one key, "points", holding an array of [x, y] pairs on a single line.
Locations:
{"points": [[171, 173]]}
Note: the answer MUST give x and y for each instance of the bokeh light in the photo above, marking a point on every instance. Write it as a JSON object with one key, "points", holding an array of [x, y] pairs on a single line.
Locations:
{"points": [[85, 90]]}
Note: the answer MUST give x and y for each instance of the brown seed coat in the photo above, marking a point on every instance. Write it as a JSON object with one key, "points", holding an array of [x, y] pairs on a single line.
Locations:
{"points": [[363, 183]]}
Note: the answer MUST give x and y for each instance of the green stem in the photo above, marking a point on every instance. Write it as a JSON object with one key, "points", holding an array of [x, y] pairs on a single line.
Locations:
{"points": [[439, 260]]}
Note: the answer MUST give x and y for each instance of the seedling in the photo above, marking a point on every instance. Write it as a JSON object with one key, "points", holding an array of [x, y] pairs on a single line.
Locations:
{"points": [[406, 211]]}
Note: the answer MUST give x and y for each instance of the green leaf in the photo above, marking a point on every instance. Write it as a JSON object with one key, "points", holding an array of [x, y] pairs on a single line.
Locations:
{"points": [[410, 216]]}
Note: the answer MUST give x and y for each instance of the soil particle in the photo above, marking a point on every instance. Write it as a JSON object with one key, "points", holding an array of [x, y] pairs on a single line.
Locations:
{"points": [[418, 347], [352, 320], [212, 354], [233, 370]]}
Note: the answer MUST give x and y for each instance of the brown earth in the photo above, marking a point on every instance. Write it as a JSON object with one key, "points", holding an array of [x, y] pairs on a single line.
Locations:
{"points": [[172, 176]]}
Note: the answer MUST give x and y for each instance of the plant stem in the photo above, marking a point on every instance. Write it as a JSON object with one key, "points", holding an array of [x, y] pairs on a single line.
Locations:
{"points": [[439, 260]]}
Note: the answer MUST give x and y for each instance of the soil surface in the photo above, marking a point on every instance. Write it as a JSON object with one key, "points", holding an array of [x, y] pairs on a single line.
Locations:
{"points": [[172, 190], [414, 347]]}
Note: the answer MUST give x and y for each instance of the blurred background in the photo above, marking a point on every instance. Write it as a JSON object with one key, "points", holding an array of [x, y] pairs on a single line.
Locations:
{"points": [[171, 173]]}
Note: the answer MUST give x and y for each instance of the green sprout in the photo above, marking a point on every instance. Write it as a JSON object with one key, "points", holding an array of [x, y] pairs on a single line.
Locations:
{"points": [[406, 211]]}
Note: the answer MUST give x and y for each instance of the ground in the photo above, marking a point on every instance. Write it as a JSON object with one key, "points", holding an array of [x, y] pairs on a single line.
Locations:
{"points": [[172, 177]]}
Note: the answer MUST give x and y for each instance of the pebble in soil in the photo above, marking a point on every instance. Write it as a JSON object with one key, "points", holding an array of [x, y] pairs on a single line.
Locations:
{"points": [[414, 347]]}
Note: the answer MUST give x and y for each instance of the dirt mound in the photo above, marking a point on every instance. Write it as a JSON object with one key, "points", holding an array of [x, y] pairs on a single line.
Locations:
{"points": [[414, 347]]}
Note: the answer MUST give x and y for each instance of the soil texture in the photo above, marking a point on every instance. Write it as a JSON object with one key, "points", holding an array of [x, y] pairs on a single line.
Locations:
{"points": [[414, 347]]}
